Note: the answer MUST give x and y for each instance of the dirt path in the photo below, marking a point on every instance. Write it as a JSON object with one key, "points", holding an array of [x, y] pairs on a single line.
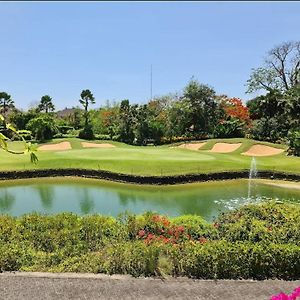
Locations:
{"points": [[36, 286]]}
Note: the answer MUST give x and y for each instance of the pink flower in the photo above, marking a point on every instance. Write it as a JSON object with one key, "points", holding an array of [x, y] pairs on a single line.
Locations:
{"points": [[281, 296], [294, 296]]}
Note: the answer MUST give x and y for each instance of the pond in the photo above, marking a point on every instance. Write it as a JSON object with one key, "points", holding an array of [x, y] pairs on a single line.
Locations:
{"points": [[88, 196]]}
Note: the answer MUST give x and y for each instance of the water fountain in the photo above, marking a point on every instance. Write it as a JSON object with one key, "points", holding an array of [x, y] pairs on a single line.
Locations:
{"points": [[252, 175]]}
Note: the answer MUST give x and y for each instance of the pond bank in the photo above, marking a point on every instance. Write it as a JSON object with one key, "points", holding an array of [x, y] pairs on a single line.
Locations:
{"points": [[154, 180]]}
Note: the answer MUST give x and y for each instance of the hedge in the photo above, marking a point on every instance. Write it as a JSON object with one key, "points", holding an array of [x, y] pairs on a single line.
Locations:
{"points": [[256, 241]]}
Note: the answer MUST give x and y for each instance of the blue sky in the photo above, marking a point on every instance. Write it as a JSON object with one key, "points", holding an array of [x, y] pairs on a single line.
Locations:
{"points": [[60, 48]]}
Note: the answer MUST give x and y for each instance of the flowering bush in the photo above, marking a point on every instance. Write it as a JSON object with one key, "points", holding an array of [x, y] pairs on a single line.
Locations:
{"points": [[257, 241], [293, 296], [160, 229]]}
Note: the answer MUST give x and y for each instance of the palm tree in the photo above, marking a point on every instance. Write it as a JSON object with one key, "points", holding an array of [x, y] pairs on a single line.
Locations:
{"points": [[46, 104], [5, 103], [86, 99]]}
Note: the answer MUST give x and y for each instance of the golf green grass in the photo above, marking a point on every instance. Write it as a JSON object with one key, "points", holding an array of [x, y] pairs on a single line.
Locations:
{"points": [[150, 160]]}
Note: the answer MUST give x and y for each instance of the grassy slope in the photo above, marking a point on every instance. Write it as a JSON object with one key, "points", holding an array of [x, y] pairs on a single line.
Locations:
{"points": [[150, 160]]}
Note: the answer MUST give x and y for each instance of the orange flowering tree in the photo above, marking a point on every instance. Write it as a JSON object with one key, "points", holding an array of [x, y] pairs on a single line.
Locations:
{"points": [[235, 119], [234, 108]]}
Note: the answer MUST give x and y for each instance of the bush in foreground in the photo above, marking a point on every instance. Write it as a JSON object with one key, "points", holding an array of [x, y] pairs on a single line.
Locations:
{"points": [[255, 241]]}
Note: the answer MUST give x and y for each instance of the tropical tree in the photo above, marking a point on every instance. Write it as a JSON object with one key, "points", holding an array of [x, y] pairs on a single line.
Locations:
{"points": [[235, 108], [43, 127], [126, 119], [203, 107], [6, 102], [20, 119], [87, 98], [281, 70], [46, 104]]}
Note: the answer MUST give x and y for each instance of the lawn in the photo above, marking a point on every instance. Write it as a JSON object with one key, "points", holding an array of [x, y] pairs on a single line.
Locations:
{"points": [[150, 160]]}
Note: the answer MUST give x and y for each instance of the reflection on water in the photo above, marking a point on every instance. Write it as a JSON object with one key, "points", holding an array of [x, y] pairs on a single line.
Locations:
{"points": [[6, 200], [90, 196], [47, 195], [86, 202]]}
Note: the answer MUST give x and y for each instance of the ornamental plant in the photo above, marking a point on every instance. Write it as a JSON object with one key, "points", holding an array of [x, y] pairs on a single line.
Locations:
{"points": [[293, 296], [160, 229]]}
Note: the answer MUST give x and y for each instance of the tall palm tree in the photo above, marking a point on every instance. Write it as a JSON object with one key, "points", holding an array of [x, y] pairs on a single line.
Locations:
{"points": [[46, 104], [86, 98]]}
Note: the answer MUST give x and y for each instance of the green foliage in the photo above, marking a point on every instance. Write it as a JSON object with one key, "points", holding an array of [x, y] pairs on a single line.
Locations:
{"points": [[229, 128], [202, 105], [268, 222], [267, 130], [46, 104], [280, 71], [21, 119], [241, 260], [86, 99], [86, 133], [28, 147], [294, 142], [275, 114], [64, 129], [43, 127], [255, 241], [6, 102], [126, 119]]}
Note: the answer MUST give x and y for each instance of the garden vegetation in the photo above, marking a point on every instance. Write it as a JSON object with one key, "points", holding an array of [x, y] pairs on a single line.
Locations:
{"points": [[256, 241]]}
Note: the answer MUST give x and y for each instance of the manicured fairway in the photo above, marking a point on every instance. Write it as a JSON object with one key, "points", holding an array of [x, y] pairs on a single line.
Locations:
{"points": [[150, 160]]}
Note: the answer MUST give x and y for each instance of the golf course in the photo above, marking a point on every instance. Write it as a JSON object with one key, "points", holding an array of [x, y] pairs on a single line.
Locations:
{"points": [[165, 160]]}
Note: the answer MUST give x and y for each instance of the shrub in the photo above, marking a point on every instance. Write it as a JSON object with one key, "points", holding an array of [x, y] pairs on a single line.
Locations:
{"points": [[255, 241], [42, 127], [229, 128], [294, 142], [86, 133], [102, 137], [271, 221]]}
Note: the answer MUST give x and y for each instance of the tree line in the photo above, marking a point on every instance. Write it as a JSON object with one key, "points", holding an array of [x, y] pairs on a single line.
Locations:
{"points": [[196, 113]]}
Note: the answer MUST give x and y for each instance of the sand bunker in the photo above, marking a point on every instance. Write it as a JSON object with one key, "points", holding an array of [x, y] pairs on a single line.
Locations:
{"points": [[56, 147], [225, 147], [192, 146], [94, 145], [262, 150]]}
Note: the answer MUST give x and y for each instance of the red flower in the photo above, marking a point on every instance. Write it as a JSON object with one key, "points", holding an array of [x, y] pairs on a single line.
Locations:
{"points": [[180, 228], [141, 233], [156, 218], [165, 222], [150, 236], [202, 240], [170, 232]]}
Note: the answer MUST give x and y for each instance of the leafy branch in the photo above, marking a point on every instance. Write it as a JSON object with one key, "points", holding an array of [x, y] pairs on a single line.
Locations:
{"points": [[29, 148]]}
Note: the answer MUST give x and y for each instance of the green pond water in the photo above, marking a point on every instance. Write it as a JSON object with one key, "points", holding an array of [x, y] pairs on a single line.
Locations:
{"points": [[87, 196]]}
